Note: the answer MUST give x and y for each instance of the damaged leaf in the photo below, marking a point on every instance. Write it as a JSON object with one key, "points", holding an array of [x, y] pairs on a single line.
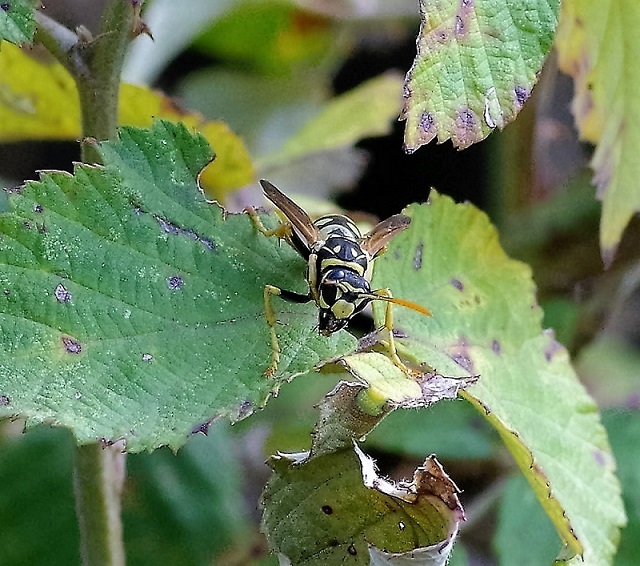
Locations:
{"points": [[476, 63], [352, 410], [486, 322], [596, 41], [133, 308], [337, 509]]}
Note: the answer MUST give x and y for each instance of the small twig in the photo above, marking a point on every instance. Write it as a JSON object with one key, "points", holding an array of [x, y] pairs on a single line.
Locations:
{"points": [[61, 42]]}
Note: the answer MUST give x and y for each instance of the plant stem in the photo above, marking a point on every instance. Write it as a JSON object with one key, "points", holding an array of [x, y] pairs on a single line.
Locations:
{"points": [[96, 65], [99, 88], [98, 479]]}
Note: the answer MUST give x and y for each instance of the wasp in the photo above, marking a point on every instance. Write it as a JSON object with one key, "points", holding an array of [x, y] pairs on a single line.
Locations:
{"points": [[339, 268]]}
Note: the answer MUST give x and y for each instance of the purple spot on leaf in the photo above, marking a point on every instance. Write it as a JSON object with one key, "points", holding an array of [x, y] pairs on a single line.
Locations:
{"points": [[495, 346], [599, 458], [417, 257], [466, 119], [351, 549], [327, 509], [5, 400], [175, 282], [459, 25], [463, 361], [552, 348], [202, 428], [62, 295], [426, 122], [175, 230], [38, 208], [147, 358], [522, 95], [457, 284], [6, 6], [71, 346]]}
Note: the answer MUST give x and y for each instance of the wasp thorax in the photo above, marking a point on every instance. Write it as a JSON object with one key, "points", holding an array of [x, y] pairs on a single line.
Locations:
{"points": [[342, 294]]}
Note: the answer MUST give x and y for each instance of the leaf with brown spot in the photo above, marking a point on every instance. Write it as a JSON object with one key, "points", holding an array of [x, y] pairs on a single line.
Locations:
{"points": [[486, 321], [476, 64]]}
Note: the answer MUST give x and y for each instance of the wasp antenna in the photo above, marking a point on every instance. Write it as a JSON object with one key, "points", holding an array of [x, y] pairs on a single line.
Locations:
{"points": [[411, 305], [404, 303]]}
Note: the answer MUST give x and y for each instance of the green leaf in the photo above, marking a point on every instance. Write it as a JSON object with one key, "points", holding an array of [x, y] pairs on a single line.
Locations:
{"points": [[272, 37], [624, 432], [335, 509], [365, 111], [183, 508], [132, 308], [486, 321], [190, 504], [476, 64], [453, 431], [596, 40], [524, 534], [16, 21], [36, 499]]}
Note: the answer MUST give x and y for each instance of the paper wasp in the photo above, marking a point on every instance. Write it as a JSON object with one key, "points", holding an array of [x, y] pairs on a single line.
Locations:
{"points": [[339, 268]]}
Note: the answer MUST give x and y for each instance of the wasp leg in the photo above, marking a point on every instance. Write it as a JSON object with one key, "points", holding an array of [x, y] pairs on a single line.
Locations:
{"points": [[283, 231], [270, 315], [388, 325]]}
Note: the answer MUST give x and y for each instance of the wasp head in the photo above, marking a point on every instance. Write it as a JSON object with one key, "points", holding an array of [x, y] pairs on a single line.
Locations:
{"points": [[342, 294]]}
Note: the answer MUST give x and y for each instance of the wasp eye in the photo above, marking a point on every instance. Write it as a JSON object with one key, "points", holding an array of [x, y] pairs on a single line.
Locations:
{"points": [[329, 294]]}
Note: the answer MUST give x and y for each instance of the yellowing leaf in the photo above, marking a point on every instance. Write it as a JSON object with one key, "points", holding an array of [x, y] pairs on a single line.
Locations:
{"points": [[38, 98], [598, 45], [39, 101]]}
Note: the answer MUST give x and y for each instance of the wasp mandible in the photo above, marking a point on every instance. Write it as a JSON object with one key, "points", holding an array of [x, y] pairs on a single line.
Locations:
{"points": [[339, 268]]}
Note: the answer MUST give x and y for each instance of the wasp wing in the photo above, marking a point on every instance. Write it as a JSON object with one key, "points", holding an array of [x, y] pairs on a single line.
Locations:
{"points": [[302, 225], [375, 241]]}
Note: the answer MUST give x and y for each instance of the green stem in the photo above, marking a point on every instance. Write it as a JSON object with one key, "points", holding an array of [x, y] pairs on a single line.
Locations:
{"points": [[98, 479], [100, 87], [96, 65]]}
